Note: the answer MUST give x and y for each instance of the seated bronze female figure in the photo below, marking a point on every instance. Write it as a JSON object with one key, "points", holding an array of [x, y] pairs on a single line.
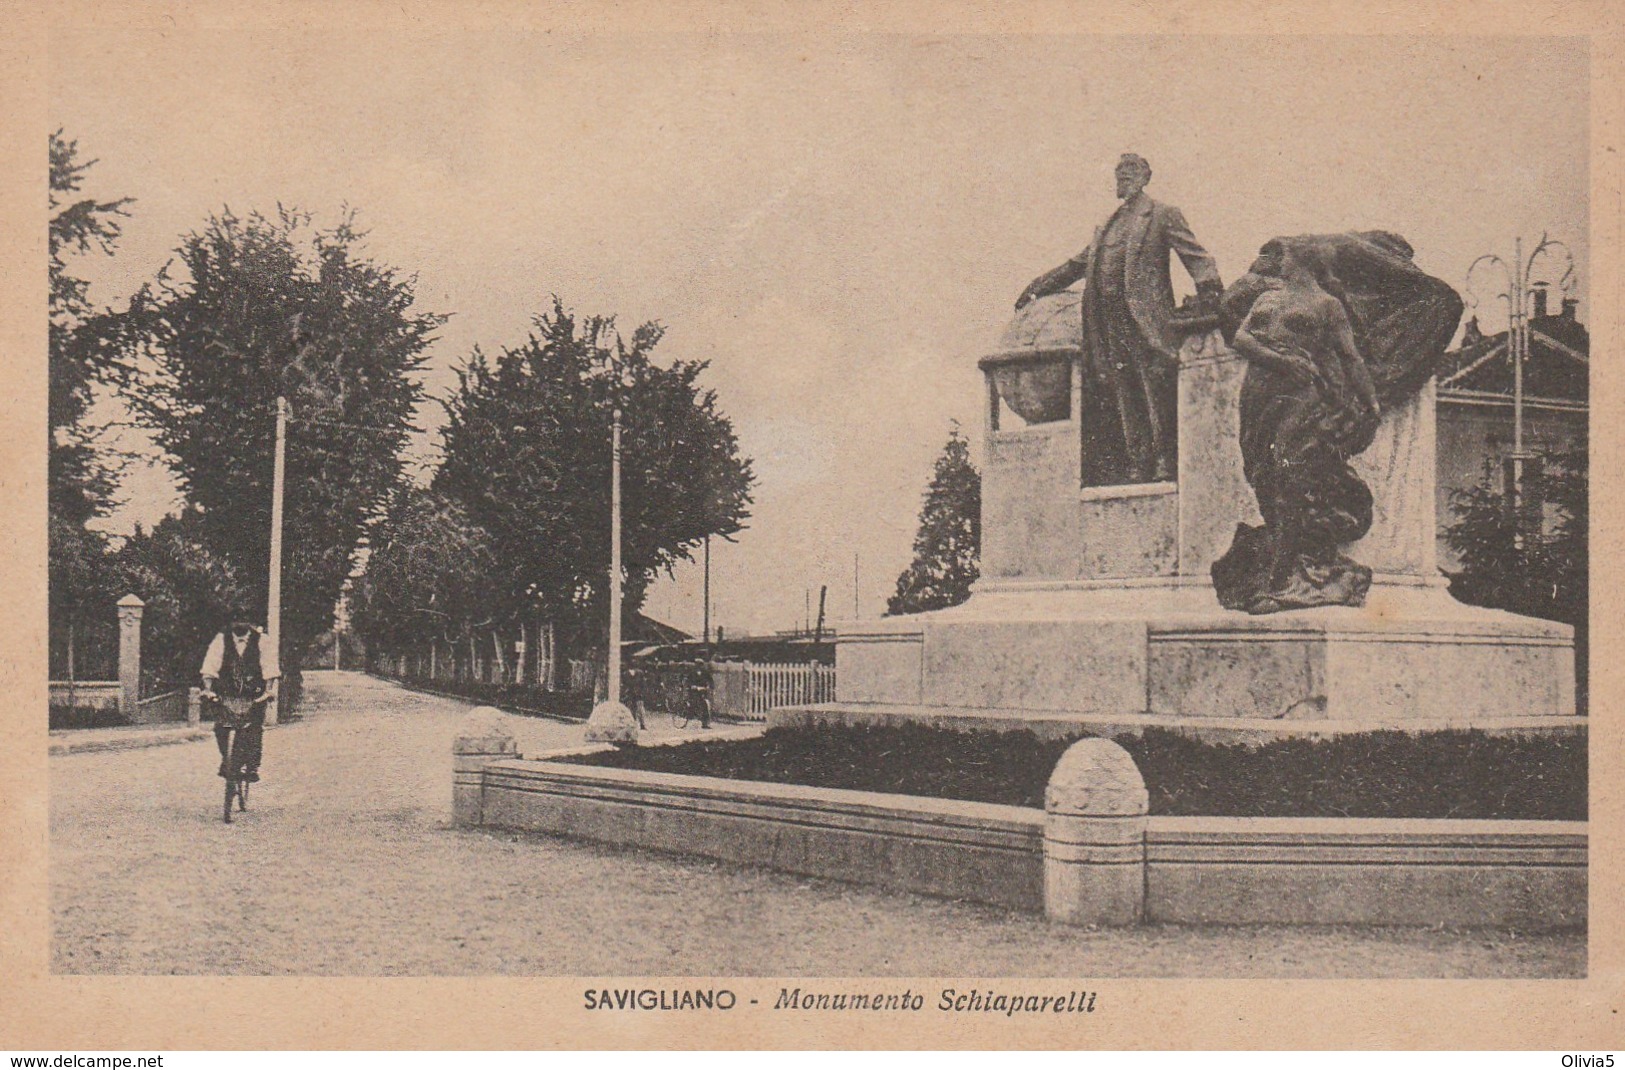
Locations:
{"points": [[1312, 399]]}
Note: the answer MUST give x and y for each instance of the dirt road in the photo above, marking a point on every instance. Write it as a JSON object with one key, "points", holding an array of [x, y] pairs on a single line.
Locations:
{"points": [[347, 864]]}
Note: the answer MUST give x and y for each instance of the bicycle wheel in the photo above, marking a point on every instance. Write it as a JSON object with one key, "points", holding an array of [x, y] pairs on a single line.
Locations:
{"points": [[231, 773], [236, 786]]}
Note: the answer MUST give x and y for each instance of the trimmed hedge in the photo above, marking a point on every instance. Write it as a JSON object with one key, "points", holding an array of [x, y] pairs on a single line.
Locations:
{"points": [[515, 698], [64, 716], [1462, 774]]}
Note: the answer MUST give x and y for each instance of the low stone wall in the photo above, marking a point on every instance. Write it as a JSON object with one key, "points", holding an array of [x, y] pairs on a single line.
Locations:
{"points": [[180, 706], [1091, 857], [175, 707], [96, 694], [1524, 875], [975, 851]]}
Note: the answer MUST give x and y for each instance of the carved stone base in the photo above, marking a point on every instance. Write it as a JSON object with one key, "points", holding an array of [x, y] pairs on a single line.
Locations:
{"points": [[1413, 656]]}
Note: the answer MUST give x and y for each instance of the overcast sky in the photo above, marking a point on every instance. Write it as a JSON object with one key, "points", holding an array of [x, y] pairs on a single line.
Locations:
{"points": [[840, 224]]}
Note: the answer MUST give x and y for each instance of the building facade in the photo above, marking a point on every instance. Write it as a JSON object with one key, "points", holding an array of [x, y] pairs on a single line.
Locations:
{"points": [[1476, 404]]}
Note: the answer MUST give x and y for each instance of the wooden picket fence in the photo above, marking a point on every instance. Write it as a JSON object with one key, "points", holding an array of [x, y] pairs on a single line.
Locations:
{"points": [[747, 690], [739, 689]]}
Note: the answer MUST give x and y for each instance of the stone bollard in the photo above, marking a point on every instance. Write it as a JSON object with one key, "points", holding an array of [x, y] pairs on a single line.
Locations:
{"points": [[1094, 837], [194, 706], [483, 737], [612, 722]]}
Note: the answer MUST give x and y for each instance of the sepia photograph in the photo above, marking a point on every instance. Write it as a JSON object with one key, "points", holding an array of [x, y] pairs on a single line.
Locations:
{"points": [[770, 524]]}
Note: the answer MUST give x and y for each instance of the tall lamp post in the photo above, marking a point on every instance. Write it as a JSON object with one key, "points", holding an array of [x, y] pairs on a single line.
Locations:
{"points": [[273, 600], [611, 721], [1518, 291]]}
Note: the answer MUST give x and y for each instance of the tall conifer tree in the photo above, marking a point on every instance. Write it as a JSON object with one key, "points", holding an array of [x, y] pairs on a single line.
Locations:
{"points": [[949, 543]]}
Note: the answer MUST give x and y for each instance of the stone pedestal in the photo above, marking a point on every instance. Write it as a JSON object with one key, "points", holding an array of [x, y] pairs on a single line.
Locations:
{"points": [[1096, 605], [1040, 527]]}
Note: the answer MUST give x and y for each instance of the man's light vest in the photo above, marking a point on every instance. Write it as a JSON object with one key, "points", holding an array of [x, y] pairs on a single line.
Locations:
{"points": [[240, 674]]}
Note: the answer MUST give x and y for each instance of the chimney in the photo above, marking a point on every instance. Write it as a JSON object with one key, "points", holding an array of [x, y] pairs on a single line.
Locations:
{"points": [[1540, 302], [1569, 305]]}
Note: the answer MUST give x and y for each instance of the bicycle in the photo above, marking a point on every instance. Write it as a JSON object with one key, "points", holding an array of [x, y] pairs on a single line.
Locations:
{"points": [[232, 715], [697, 707]]}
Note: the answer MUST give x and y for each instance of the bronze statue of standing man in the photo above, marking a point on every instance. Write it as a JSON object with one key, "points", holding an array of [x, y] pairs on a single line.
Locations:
{"points": [[1130, 345]]}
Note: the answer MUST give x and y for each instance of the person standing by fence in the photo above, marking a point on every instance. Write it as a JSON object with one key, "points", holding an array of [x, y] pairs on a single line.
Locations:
{"points": [[699, 691]]}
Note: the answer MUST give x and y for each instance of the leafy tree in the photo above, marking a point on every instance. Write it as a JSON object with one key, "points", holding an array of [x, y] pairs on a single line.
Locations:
{"points": [[82, 350], [949, 542], [427, 575], [83, 588], [1527, 564], [527, 455], [79, 484], [1536, 563], [188, 592], [266, 307]]}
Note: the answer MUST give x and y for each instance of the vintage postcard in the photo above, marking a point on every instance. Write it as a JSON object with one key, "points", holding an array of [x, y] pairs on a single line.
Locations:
{"points": [[962, 525]]}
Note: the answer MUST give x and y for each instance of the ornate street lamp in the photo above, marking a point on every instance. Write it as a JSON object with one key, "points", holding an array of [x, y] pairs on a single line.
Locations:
{"points": [[1518, 291]]}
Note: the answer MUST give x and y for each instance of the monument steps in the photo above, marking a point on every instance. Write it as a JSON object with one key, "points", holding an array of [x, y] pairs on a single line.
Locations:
{"points": [[1068, 724]]}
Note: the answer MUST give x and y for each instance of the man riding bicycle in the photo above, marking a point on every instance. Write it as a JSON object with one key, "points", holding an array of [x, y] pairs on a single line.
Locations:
{"points": [[240, 669]]}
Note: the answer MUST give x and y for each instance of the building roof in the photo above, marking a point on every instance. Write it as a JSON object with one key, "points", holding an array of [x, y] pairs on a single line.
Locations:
{"points": [[1558, 366], [642, 629]]}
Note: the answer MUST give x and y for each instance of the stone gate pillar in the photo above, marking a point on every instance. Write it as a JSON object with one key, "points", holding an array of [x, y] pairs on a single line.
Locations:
{"points": [[130, 609]]}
